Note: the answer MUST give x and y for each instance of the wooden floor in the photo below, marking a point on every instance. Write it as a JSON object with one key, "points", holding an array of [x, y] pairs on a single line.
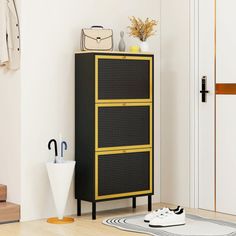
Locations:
{"points": [[84, 226]]}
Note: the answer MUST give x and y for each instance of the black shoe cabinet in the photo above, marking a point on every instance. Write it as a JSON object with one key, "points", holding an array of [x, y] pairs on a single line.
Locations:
{"points": [[113, 127]]}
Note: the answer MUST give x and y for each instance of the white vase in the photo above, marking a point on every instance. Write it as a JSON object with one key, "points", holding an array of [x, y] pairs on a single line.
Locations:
{"points": [[144, 46], [60, 177]]}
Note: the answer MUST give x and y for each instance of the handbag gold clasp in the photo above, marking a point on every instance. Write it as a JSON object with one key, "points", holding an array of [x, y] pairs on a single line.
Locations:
{"points": [[98, 39]]}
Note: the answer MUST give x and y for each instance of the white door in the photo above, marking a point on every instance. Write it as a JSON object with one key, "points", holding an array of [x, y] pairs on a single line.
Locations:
{"points": [[217, 115]]}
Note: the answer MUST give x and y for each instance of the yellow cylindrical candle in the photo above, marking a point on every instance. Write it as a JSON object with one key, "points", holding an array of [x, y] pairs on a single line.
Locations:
{"points": [[134, 48]]}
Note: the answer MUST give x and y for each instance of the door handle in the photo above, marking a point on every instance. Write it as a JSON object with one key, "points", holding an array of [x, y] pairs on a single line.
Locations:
{"points": [[204, 90]]}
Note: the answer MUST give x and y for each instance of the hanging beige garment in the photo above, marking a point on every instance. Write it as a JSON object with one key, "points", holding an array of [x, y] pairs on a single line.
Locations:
{"points": [[9, 35]]}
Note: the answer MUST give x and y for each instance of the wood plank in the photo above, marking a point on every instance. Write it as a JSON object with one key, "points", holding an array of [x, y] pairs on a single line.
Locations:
{"points": [[229, 89], [114, 52], [3, 193], [9, 212]]}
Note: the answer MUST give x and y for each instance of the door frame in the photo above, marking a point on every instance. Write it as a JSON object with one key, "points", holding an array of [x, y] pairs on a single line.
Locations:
{"points": [[193, 102], [194, 94]]}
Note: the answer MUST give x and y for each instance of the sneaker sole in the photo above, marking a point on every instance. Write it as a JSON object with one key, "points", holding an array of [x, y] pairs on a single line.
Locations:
{"points": [[162, 226]]}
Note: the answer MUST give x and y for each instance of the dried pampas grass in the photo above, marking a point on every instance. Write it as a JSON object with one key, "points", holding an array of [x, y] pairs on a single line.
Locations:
{"points": [[142, 29]]}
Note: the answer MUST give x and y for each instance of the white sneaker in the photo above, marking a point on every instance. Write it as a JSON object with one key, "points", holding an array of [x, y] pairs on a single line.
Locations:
{"points": [[158, 213], [171, 218]]}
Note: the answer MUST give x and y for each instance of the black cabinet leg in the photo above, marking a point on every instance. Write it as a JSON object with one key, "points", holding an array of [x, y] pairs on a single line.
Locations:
{"points": [[78, 207], [94, 210], [134, 202], [149, 203]]}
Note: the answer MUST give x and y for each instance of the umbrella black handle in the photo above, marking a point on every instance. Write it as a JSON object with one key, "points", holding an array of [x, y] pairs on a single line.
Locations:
{"points": [[55, 146]]}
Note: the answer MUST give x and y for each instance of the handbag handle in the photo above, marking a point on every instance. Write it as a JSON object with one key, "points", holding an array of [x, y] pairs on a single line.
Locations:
{"points": [[97, 26]]}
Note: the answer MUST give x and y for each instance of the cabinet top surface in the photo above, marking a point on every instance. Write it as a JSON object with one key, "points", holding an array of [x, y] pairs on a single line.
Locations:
{"points": [[115, 52]]}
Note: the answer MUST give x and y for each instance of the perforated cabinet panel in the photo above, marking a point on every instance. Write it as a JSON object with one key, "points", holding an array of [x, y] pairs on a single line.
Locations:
{"points": [[123, 79], [122, 173], [123, 126]]}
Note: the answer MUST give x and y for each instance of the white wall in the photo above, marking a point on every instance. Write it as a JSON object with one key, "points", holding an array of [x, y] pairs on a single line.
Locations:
{"points": [[10, 133], [50, 36], [175, 75], [10, 101]]}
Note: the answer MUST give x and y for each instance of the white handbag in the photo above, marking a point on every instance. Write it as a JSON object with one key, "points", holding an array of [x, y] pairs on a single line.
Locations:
{"points": [[96, 38]]}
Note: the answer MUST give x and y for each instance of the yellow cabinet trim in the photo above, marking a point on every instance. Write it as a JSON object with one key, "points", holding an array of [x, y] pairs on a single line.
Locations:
{"points": [[150, 190], [123, 57], [98, 149]]}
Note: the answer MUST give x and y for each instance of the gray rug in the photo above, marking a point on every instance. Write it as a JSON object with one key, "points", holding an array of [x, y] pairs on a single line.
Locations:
{"points": [[195, 226]]}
